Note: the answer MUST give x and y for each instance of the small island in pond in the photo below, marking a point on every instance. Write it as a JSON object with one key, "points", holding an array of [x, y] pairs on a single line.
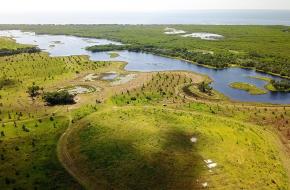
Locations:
{"points": [[251, 89]]}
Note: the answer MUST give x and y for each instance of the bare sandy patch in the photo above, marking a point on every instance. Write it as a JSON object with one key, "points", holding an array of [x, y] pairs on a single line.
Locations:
{"points": [[90, 77], [122, 79], [171, 31], [112, 75], [193, 139], [80, 89], [204, 36], [210, 163]]}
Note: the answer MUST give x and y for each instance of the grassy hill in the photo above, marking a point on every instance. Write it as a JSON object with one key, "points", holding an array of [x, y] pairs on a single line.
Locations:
{"points": [[154, 148]]}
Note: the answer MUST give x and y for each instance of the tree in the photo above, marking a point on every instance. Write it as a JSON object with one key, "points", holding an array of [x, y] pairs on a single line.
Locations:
{"points": [[59, 98], [24, 128], [205, 88], [33, 91]]}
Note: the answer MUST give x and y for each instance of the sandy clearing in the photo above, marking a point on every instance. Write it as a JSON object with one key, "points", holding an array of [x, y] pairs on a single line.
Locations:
{"points": [[90, 77], [171, 31], [193, 139], [204, 36], [123, 79], [79, 89], [204, 185]]}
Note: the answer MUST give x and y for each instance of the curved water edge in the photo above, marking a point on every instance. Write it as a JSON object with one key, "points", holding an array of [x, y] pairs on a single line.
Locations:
{"points": [[144, 62]]}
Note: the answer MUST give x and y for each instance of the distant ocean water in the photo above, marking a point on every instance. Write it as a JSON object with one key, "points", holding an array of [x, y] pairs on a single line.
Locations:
{"points": [[215, 17]]}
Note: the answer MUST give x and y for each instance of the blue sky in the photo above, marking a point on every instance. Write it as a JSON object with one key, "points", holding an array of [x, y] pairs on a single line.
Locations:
{"points": [[20, 6]]}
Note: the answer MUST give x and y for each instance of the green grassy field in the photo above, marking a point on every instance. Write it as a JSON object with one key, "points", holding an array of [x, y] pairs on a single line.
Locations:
{"points": [[28, 155], [151, 148], [251, 89]]}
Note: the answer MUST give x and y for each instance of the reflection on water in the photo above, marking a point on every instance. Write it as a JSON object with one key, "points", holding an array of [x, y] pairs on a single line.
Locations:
{"points": [[71, 45]]}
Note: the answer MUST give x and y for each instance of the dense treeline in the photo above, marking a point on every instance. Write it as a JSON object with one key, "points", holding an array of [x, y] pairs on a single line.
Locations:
{"points": [[266, 63], [281, 85], [6, 52]]}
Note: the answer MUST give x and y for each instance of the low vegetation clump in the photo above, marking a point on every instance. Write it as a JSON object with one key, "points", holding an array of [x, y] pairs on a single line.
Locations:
{"points": [[113, 54], [33, 91], [251, 89], [6, 82], [62, 97], [205, 88]]}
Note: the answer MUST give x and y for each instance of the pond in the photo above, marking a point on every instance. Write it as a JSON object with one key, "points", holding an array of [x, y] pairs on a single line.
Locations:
{"points": [[71, 45]]}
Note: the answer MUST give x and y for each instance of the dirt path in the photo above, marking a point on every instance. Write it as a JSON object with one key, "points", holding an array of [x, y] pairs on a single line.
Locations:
{"points": [[67, 160]]}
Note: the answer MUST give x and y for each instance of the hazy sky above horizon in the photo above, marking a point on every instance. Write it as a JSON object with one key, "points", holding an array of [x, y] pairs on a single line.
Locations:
{"points": [[22, 6]]}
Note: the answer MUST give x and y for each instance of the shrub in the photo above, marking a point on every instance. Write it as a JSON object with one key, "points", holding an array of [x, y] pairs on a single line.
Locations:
{"points": [[205, 88], [33, 91], [59, 98]]}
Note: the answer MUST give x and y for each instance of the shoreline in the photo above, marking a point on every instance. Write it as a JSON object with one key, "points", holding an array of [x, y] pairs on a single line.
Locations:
{"points": [[178, 58]]}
